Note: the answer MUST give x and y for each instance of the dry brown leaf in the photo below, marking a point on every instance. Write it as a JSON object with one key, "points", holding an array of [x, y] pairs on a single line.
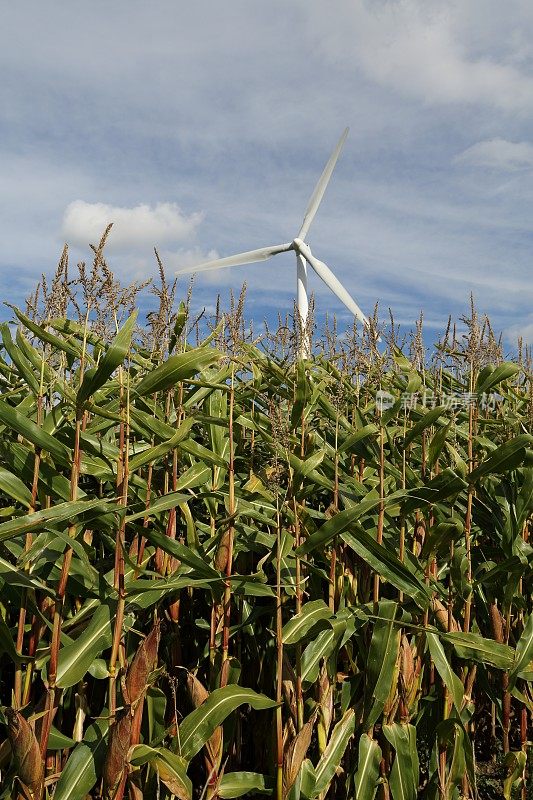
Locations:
{"points": [[295, 754], [27, 758], [117, 752], [143, 663]]}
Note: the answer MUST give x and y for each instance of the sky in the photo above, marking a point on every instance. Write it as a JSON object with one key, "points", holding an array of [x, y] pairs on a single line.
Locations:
{"points": [[201, 128]]}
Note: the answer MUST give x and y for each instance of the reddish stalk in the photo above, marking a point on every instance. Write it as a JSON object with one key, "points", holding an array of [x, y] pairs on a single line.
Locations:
{"points": [[230, 537], [120, 543]]}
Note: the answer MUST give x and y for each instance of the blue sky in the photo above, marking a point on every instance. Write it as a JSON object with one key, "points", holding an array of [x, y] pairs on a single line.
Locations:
{"points": [[202, 128]]}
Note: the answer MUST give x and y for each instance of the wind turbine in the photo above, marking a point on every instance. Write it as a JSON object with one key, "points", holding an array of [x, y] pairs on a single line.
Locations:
{"points": [[304, 256]]}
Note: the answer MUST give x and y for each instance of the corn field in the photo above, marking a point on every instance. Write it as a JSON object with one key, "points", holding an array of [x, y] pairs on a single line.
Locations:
{"points": [[226, 572]]}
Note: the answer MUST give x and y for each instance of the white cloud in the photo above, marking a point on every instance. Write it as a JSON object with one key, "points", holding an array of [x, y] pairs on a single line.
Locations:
{"points": [[142, 225], [498, 154], [520, 330], [437, 52]]}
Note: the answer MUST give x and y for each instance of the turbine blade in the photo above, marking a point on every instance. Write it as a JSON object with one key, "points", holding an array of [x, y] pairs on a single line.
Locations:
{"points": [[251, 256], [332, 282], [320, 188]]}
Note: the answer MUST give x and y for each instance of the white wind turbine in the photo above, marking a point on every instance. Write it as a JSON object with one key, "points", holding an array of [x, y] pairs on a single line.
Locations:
{"points": [[303, 255]]}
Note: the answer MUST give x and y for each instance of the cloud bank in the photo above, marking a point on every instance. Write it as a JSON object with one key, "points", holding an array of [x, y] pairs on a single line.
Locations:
{"points": [[140, 226], [499, 154]]}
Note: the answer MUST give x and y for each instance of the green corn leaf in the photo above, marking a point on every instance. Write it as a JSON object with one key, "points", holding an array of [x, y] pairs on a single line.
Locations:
{"points": [[187, 516], [20, 459], [177, 368], [156, 703], [36, 359], [404, 774], [171, 769], [363, 433], [473, 647], [12, 575], [450, 734], [179, 325], [202, 453], [157, 452], [237, 784], [159, 505], [401, 360], [437, 443], [457, 768], [440, 536], [524, 501], [304, 469], [506, 456], [389, 566], [367, 776], [311, 614], [217, 408], [76, 658], [84, 764], [24, 367], [381, 662], [202, 387], [523, 659], [321, 647], [115, 355], [76, 330], [250, 588], [450, 679], [145, 593], [302, 395], [445, 485], [344, 519], [146, 424], [182, 553], [16, 421], [58, 740], [199, 726], [46, 336], [40, 520], [496, 376], [332, 755], [515, 768], [428, 419], [197, 475], [11, 485]]}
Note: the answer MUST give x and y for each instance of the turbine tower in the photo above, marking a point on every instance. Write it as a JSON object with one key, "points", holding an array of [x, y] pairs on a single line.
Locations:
{"points": [[304, 256]]}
